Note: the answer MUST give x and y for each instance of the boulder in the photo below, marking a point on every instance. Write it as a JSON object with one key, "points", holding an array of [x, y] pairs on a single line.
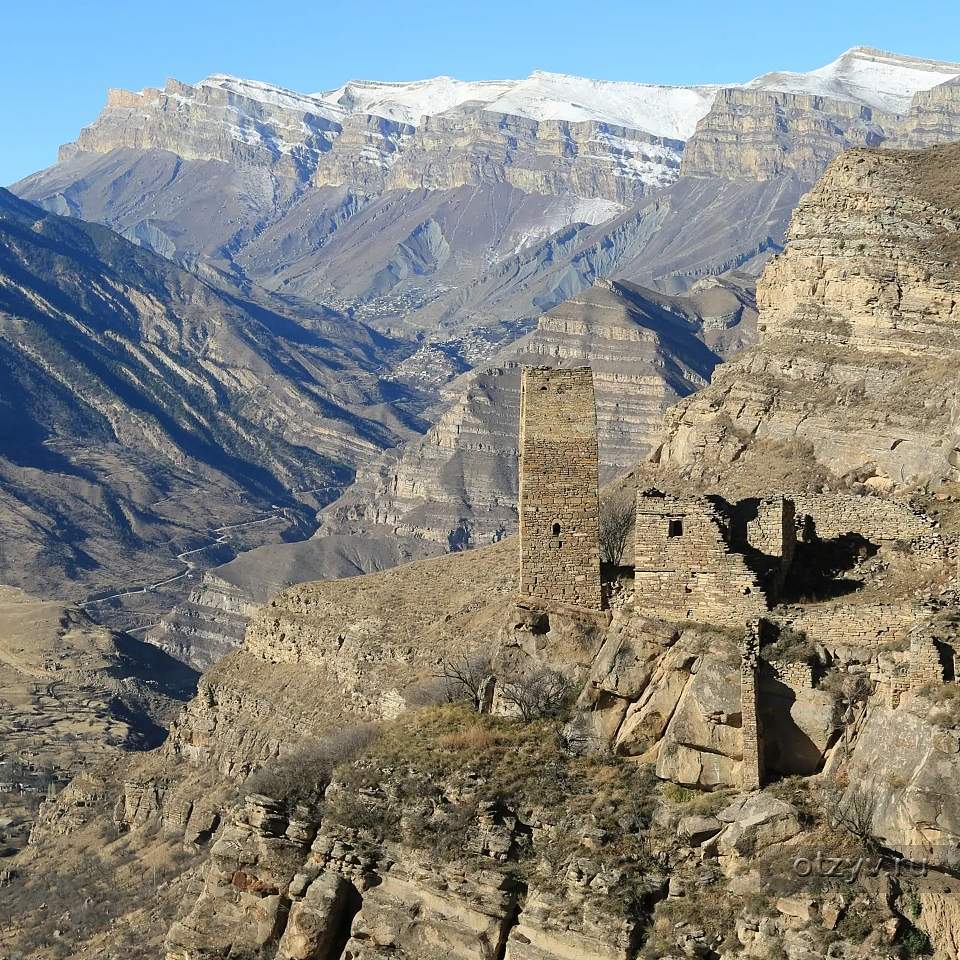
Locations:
{"points": [[899, 760], [318, 920], [755, 822], [697, 830], [702, 744], [831, 912], [803, 909], [628, 657], [647, 719]]}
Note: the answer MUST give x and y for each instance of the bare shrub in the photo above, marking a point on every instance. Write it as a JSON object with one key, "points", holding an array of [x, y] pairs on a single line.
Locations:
{"points": [[461, 677], [854, 811], [302, 776], [791, 646], [537, 693], [616, 522]]}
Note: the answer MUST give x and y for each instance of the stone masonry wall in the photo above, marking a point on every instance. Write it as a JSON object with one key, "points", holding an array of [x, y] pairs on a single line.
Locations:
{"points": [[833, 515], [925, 664], [684, 567], [768, 526], [752, 767], [838, 625], [797, 675], [559, 501]]}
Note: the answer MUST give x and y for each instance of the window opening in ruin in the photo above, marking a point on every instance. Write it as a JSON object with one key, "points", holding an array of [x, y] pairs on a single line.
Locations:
{"points": [[675, 528], [556, 529]]}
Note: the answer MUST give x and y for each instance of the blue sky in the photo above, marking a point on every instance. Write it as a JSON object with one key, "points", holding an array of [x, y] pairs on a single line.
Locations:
{"points": [[59, 56]]}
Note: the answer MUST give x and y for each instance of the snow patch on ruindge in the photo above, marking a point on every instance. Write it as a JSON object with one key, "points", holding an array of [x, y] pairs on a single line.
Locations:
{"points": [[271, 95], [671, 112], [411, 102], [564, 211], [663, 111]]}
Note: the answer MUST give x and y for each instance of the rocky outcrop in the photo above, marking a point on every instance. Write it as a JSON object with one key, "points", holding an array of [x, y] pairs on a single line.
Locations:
{"points": [[282, 883], [857, 318], [901, 773], [323, 655]]}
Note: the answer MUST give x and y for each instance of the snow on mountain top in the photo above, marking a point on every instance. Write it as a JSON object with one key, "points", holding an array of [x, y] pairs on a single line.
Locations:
{"points": [[409, 102], [663, 111], [885, 81], [862, 75]]}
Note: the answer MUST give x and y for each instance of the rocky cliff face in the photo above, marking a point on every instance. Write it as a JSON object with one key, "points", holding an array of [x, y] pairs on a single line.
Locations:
{"points": [[857, 324], [760, 135], [799, 122], [318, 141], [934, 118]]}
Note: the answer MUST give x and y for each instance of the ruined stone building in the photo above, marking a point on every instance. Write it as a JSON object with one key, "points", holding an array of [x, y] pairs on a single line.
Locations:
{"points": [[559, 501], [701, 559], [696, 558], [706, 561]]}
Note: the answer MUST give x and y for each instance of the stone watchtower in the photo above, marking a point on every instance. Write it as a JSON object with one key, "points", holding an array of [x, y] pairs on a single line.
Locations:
{"points": [[559, 502]]}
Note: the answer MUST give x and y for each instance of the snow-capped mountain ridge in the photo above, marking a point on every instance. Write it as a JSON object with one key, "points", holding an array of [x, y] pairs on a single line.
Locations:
{"points": [[863, 75], [661, 110], [874, 78]]}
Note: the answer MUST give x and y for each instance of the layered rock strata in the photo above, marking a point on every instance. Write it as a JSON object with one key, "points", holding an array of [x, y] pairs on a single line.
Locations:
{"points": [[858, 327]]}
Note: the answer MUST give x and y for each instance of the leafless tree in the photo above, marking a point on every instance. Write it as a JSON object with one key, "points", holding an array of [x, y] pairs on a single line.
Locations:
{"points": [[461, 677], [536, 693], [616, 522]]}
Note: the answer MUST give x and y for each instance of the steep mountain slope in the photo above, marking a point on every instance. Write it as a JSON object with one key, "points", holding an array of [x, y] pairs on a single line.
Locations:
{"points": [[853, 376], [141, 408]]}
